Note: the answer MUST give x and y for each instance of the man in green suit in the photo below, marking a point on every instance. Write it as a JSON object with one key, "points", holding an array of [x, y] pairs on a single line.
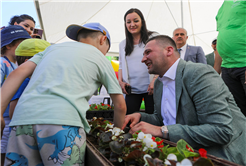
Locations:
{"points": [[191, 103], [210, 57]]}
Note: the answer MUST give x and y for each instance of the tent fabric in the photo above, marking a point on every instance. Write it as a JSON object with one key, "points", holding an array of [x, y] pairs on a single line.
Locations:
{"points": [[162, 16]]}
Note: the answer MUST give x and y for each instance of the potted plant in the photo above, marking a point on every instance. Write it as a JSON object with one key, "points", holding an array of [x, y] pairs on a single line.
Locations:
{"points": [[100, 110], [142, 149]]}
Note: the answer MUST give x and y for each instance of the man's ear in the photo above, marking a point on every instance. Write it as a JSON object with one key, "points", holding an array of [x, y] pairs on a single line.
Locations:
{"points": [[103, 39], [170, 50], [15, 23]]}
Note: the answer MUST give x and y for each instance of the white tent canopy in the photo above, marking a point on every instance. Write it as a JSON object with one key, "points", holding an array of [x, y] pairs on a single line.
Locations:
{"points": [[162, 16]]}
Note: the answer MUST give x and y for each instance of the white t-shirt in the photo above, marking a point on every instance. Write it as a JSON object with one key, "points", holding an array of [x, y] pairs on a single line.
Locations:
{"points": [[65, 78], [134, 71]]}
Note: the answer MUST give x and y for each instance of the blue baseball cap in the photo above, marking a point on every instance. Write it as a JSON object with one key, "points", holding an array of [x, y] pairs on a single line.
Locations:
{"points": [[11, 33], [72, 30]]}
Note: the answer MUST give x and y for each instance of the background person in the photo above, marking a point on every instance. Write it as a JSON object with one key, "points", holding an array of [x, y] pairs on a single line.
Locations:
{"points": [[24, 20], [210, 57], [192, 103], [11, 37], [231, 45], [187, 52], [131, 71], [26, 50]]}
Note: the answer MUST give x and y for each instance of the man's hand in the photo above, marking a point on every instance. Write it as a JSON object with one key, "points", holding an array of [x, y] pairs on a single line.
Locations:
{"points": [[133, 118], [2, 125], [147, 128]]}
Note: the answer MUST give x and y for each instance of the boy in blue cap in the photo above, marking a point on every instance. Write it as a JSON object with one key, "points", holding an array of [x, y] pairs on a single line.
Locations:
{"points": [[50, 117], [11, 37]]}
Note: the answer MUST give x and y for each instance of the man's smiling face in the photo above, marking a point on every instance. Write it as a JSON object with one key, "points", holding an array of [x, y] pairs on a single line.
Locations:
{"points": [[153, 57]]}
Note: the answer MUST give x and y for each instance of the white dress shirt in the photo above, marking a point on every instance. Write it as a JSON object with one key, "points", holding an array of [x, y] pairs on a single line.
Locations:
{"points": [[168, 102], [182, 51]]}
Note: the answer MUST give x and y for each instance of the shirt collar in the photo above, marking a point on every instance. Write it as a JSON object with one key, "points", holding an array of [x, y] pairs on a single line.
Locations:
{"points": [[171, 72], [184, 47]]}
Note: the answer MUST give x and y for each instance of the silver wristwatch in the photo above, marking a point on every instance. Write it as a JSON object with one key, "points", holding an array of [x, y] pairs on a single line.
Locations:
{"points": [[164, 131]]}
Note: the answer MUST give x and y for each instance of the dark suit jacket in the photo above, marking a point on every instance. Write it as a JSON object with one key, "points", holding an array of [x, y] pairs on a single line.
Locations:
{"points": [[210, 59], [195, 54], [207, 115]]}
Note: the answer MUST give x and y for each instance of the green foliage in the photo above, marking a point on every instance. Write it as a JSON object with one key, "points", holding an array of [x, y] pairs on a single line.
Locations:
{"points": [[183, 147], [132, 148], [100, 107]]}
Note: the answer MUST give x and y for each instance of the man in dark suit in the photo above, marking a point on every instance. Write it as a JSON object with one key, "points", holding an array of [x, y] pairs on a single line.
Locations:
{"points": [[188, 52], [210, 57], [192, 103]]}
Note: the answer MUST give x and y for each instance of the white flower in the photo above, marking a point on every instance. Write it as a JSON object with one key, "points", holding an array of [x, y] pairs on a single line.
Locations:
{"points": [[170, 157], [132, 139], [147, 140], [114, 138], [145, 148], [144, 157], [151, 145], [185, 162], [167, 162], [138, 140], [117, 131], [142, 136], [120, 159], [110, 126], [109, 130], [148, 136]]}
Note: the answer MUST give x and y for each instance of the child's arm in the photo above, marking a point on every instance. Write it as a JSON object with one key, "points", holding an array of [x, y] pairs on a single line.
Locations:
{"points": [[119, 109], [12, 106], [12, 83]]}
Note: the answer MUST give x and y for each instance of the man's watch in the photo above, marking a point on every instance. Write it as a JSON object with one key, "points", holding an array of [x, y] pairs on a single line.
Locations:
{"points": [[164, 131]]}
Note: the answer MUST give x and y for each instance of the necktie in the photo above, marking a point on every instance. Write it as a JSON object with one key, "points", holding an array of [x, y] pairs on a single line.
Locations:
{"points": [[179, 50]]}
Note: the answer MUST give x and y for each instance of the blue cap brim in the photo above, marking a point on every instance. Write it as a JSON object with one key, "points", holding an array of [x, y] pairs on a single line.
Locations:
{"points": [[72, 31], [18, 37]]}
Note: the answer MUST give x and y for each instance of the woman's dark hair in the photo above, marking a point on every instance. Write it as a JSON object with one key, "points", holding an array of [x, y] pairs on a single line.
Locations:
{"points": [[20, 18], [144, 32]]}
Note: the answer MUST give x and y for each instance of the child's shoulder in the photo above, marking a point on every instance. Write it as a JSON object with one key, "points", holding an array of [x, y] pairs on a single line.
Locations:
{"points": [[5, 62]]}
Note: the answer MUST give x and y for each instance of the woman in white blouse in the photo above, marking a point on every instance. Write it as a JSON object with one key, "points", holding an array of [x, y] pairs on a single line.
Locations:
{"points": [[131, 71]]}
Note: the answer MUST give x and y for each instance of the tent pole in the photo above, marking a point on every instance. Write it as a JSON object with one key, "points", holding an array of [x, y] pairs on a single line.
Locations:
{"points": [[39, 17], [182, 24]]}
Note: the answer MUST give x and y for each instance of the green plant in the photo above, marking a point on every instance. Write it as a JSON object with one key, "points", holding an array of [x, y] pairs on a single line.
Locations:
{"points": [[101, 106], [143, 149]]}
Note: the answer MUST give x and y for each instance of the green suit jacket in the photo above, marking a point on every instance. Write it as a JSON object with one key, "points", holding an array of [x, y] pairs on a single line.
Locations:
{"points": [[207, 115], [210, 59]]}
